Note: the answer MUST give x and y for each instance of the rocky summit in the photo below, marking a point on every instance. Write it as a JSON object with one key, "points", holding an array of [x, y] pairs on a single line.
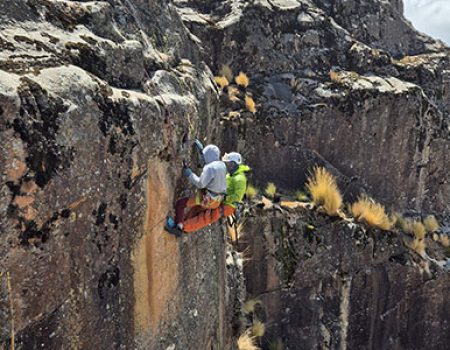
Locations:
{"points": [[99, 103]]}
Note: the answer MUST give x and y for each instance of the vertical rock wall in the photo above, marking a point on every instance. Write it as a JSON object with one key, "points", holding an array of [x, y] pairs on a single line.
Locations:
{"points": [[95, 100], [332, 285], [379, 117]]}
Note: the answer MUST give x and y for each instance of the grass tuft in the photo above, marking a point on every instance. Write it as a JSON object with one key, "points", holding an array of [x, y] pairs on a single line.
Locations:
{"points": [[335, 77], [445, 240], [247, 342], [233, 93], [372, 213], [411, 60], [406, 225], [418, 229], [258, 328], [431, 224], [251, 192], [396, 219], [250, 104], [419, 246], [221, 81], [242, 79], [271, 189], [249, 306], [226, 72], [324, 191]]}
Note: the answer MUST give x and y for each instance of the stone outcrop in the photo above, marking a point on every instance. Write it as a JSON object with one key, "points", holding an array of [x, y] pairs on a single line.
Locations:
{"points": [[95, 100], [328, 284], [331, 77]]}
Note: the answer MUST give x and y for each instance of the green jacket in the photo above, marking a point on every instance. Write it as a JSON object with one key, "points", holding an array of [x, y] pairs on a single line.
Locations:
{"points": [[236, 186]]}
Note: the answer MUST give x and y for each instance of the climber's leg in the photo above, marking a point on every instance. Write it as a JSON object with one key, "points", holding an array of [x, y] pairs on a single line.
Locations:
{"points": [[194, 211], [180, 206], [197, 222], [206, 217], [194, 201], [183, 203]]}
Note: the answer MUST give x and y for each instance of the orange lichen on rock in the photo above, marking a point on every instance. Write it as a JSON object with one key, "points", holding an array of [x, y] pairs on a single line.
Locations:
{"points": [[29, 213], [29, 187], [155, 256], [16, 170], [23, 201]]}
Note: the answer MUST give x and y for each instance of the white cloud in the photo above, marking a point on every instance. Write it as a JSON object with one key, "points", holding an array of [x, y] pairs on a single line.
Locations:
{"points": [[430, 16]]}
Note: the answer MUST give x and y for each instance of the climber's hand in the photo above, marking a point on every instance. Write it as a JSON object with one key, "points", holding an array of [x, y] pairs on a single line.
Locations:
{"points": [[187, 171]]}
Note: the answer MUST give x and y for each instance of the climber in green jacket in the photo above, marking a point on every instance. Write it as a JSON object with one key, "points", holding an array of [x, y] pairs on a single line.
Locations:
{"points": [[236, 186]]}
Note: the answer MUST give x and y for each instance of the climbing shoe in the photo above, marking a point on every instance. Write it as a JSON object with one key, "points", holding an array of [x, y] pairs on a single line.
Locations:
{"points": [[170, 222], [173, 231]]}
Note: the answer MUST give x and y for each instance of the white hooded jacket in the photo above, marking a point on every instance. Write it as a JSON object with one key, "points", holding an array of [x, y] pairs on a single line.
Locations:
{"points": [[213, 176]]}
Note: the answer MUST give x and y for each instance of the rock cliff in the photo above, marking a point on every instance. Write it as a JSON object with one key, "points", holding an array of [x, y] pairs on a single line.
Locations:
{"points": [[328, 284], [333, 77], [96, 101]]}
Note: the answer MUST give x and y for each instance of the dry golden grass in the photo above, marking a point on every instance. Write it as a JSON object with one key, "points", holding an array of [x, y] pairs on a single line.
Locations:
{"points": [[372, 213], [249, 306], [295, 85], [226, 72], [406, 225], [419, 246], [242, 79], [266, 203], [258, 328], [247, 342], [233, 115], [376, 53], [445, 240], [221, 81], [396, 219], [250, 104], [295, 205], [334, 77], [431, 224], [418, 229], [251, 192], [322, 186], [239, 229], [412, 60], [270, 190], [435, 237], [232, 232], [233, 93]]}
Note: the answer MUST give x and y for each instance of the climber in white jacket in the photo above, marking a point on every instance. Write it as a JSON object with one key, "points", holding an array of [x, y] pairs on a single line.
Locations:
{"points": [[211, 185]]}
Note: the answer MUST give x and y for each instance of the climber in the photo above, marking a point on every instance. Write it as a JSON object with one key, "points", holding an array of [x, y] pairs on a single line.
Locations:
{"points": [[236, 184], [211, 188], [236, 188]]}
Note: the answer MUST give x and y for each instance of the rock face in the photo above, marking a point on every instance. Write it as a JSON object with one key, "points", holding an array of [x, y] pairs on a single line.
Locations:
{"points": [[335, 285], [95, 99], [378, 118]]}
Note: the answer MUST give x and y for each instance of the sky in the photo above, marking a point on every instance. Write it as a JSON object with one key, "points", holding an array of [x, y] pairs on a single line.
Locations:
{"points": [[431, 17]]}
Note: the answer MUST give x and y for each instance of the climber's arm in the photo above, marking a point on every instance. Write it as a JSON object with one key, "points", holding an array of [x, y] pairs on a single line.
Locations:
{"points": [[203, 180]]}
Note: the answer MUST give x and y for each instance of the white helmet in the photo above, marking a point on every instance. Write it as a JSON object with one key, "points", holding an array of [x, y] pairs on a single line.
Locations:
{"points": [[232, 157]]}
